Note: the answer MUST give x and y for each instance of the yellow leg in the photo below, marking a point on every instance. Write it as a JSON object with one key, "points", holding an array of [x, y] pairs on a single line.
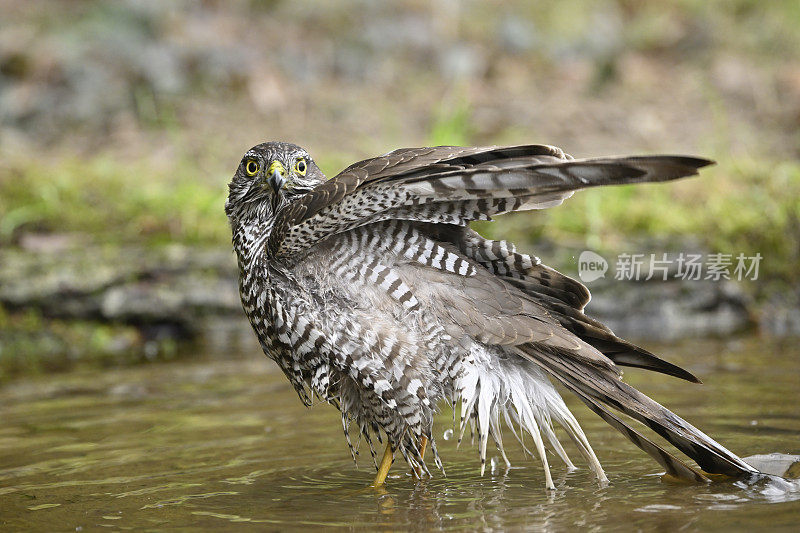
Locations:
{"points": [[383, 469], [423, 443]]}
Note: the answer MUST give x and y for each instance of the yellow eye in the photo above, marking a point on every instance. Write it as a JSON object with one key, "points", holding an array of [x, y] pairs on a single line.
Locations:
{"points": [[251, 167], [300, 167]]}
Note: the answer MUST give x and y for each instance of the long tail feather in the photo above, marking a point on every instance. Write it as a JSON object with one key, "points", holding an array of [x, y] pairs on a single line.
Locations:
{"points": [[595, 384], [673, 466]]}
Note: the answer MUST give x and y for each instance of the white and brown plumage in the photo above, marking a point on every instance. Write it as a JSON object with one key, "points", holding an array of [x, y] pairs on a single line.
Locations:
{"points": [[370, 292]]}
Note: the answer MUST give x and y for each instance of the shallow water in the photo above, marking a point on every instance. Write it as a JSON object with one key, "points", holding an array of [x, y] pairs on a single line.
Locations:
{"points": [[227, 444]]}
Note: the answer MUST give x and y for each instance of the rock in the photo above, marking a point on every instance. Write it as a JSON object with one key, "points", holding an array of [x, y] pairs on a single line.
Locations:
{"points": [[776, 464], [173, 285], [462, 61], [670, 310], [780, 316], [517, 35]]}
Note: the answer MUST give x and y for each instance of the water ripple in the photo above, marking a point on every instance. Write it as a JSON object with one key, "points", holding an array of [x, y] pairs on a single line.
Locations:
{"points": [[215, 444]]}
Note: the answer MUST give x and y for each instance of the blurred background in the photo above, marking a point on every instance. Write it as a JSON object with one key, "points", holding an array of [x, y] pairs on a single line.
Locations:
{"points": [[122, 122]]}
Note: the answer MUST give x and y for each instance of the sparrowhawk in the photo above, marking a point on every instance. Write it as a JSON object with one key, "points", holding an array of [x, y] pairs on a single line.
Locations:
{"points": [[371, 293]]}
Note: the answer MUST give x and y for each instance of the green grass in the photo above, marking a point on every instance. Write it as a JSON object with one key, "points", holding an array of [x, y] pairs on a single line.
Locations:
{"points": [[112, 200]]}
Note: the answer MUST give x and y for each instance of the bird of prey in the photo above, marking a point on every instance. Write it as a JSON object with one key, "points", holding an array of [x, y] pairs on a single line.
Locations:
{"points": [[371, 293]]}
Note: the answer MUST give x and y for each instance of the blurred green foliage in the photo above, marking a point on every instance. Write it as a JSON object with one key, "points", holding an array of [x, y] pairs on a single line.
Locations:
{"points": [[116, 202], [34, 344], [587, 75], [452, 124]]}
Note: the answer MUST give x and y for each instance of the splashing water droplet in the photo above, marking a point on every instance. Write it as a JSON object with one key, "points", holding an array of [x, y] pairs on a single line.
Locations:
{"points": [[448, 433]]}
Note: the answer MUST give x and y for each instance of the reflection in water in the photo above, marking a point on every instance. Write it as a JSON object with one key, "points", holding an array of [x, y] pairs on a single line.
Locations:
{"points": [[215, 444]]}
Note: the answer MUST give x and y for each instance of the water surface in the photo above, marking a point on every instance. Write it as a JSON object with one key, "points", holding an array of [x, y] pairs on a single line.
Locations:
{"points": [[227, 444]]}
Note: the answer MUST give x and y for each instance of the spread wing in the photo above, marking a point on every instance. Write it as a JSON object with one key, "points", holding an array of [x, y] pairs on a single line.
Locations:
{"points": [[455, 185], [541, 317]]}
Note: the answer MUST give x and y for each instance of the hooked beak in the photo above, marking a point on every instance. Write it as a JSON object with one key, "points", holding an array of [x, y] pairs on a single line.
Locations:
{"points": [[276, 176]]}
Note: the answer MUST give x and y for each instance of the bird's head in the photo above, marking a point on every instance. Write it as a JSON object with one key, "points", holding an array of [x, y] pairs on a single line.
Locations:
{"points": [[269, 176]]}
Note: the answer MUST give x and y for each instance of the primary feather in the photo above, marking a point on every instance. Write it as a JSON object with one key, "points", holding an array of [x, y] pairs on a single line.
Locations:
{"points": [[370, 292]]}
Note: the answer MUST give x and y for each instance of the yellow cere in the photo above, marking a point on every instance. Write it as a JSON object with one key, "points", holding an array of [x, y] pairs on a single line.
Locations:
{"points": [[276, 166]]}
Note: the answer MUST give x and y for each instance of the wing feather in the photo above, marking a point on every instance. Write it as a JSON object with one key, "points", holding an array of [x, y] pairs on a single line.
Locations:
{"points": [[458, 179]]}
